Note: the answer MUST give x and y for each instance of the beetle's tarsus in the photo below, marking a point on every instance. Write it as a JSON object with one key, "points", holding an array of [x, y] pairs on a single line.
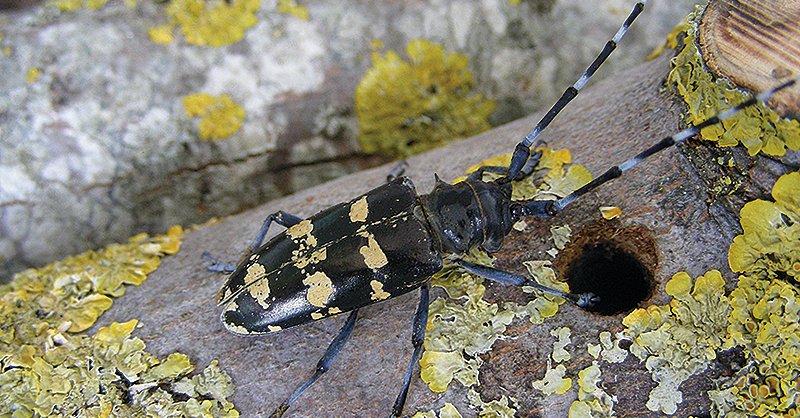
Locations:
{"points": [[216, 265], [585, 300], [398, 170]]}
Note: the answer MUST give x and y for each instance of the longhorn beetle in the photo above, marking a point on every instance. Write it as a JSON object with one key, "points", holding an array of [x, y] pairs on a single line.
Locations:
{"points": [[390, 241]]}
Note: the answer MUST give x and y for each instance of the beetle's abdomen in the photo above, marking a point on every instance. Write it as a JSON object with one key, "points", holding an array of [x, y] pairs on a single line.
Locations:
{"points": [[350, 255]]}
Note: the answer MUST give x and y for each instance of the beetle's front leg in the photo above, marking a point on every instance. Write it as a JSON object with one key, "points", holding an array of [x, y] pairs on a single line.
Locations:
{"points": [[280, 217], [583, 300]]}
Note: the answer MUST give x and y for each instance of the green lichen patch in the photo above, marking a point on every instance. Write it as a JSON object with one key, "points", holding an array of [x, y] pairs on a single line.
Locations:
{"points": [[214, 23], [220, 117], [108, 374], [679, 340], [408, 106], [757, 128]]}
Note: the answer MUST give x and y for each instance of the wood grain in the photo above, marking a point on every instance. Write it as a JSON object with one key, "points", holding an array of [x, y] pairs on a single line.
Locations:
{"points": [[755, 44]]}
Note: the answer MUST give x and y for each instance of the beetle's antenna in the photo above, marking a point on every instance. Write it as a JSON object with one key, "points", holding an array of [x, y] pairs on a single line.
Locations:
{"points": [[548, 208], [523, 149]]}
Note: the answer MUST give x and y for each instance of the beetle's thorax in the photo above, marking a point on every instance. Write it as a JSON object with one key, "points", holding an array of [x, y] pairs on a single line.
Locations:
{"points": [[468, 214]]}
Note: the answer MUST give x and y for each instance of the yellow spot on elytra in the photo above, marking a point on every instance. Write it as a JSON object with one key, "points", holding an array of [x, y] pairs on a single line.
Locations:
{"points": [[359, 210], [316, 315], [320, 289], [374, 257], [314, 258], [301, 229], [260, 291], [334, 310], [377, 291], [273, 328], [236, 329], [255, 272]]}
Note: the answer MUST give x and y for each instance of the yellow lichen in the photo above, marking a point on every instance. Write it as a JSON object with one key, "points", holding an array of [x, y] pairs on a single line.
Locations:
{"points": [[73, 5], [213, 23], [290, 7], [554, 381], [447, 411], [592, 401], [32, 75], [766, 307], [405, 107], [505, 407], [610, 212], [220, 117], [679, 340], [758, 128], [770, 243], [107, 374], [49, 368]]}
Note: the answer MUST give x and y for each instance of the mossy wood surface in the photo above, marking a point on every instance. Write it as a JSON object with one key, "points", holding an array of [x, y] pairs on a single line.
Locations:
{"points": [[669, 195]]}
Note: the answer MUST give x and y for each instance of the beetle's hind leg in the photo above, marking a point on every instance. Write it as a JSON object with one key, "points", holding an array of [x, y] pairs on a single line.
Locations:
{"points": [[584, 300], [324, 363], [280, 217], [398, 170], [417, 338]]}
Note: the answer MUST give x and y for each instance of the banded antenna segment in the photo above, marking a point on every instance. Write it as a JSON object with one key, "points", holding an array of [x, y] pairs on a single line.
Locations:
{"points": [[531, 142]]}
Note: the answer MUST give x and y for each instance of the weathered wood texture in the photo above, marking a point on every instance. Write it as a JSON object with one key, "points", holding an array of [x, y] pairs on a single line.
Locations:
{"points": [[754, 44], [668, 197]]}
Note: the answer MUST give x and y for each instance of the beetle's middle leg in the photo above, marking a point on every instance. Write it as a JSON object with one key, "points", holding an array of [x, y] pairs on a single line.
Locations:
{"points": [[324, 363], [280, 217], [584, 300]]}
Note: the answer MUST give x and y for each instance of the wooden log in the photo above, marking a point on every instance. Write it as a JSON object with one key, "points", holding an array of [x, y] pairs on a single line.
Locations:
{"points": [[754, 44], [667, 201]]}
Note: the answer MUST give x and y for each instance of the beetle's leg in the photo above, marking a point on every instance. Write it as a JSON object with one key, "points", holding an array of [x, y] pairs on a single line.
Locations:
{"points": [[584, 300], [417, 338], [397, 171], [324, 363], [216, 265], [526, 171], [280, 217], [522, 151]]}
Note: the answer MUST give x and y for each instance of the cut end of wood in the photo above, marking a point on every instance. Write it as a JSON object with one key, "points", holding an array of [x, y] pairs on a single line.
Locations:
{"points": [[756, 45]]}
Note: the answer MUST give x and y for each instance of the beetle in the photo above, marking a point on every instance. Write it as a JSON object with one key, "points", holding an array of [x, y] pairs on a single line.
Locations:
{"points": [[391, 240]]}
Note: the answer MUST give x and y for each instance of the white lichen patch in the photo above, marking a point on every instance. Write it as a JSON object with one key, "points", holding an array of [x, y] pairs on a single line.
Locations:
{"points": [[359, 210], [373, 255], [320, 289]]}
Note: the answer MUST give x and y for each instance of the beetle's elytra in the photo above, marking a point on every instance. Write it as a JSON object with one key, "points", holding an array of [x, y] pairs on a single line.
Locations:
{"points": [[390, 241]]}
